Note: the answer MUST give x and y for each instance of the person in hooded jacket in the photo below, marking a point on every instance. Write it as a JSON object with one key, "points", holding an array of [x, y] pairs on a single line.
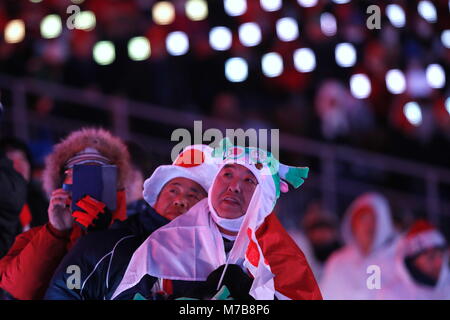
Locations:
{"points": [[103, 256], [230, 245], [370, 241], [26, 270], [421, 266]]}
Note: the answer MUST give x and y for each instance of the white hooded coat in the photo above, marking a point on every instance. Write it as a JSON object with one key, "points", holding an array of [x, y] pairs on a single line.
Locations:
{"points": [[348, 274]]}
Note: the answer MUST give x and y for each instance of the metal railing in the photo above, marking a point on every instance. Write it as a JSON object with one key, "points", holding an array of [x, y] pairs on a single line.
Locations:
{"points": [[327, 180]]}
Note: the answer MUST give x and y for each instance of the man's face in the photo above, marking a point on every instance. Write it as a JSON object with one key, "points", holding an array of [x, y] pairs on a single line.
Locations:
{"points": [[232, 191], [363, 228], [430, 262], [178, 196]]}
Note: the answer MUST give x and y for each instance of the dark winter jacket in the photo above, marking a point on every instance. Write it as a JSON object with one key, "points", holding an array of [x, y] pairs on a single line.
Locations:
{"points": [[13, 192], [102, 258]]}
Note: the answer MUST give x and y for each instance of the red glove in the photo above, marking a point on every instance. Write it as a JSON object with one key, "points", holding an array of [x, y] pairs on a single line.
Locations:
{"points": [[94, 216]]}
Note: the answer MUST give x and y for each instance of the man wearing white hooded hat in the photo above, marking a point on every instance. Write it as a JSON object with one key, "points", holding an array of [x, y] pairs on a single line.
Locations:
{"points": [[421, 269], [102, 257], [230, 245]]}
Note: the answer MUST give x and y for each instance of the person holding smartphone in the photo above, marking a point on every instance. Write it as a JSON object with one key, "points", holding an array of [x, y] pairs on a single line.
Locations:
{"points": [[26, 270]]}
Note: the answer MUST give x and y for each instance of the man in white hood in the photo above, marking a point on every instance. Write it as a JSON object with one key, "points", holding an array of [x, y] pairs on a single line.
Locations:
{"points": [[370, 238], [421, 266], [230, 242]]}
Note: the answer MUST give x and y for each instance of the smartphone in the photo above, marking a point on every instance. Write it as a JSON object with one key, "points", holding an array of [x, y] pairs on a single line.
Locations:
{"points": [[99, 182]]}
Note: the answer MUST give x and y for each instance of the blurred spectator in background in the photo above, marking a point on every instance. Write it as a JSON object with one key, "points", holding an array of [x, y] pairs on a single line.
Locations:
{"points": [[317, 236], [142, 165], [421, 266], [370, 239], [34, 212], [26, 270]]}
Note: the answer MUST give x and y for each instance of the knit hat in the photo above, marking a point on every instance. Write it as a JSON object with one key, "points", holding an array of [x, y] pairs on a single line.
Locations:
{"points": [[422, 236], [89, 144], [194, 163]]}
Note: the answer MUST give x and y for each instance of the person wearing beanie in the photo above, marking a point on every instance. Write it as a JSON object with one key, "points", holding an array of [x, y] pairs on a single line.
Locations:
{"points": [[230, 245], [318, 235], [370, 240], [103, 256], [421, 266], [26, 270]]}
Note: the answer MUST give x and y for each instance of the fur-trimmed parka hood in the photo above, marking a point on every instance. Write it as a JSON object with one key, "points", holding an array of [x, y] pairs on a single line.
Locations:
{"points": [[102, 140]]}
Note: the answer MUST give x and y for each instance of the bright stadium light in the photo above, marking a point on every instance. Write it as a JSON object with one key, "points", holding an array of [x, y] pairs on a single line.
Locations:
{"points": [[196, 10], [328, 24], [220, 38], [341, 1], [14, 31], [287, 29], [236, 69], [427, 11], [272, 64], [163, 13], [104, 52], [307, 3], [396, 15], [345, 54], [139, 48], [395, 81], [435, 76], [177, 43], [85, 20], [271, 5], [445, 38], [235, 8], [413, 113], [249, 34], [304, 60], [360, 86], [51, 26]]}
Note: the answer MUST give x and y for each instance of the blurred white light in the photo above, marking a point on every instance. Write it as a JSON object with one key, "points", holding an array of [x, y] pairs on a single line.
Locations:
{"points": [[104, 52], [177, 43], [139, 48], [287, 29], [413, 113], [307, 3], [250, 34], [395, 81], [445, 38], [272, 64], [51, 26], [196, 10], [235, 8], [304, 60], [396, 15], [435, 76], [85, 20], [163, 13], [360, 86], [341, 1], [447, 105], [35, 1], [328, 24], [14, 31], [345, 54], [427, 11], [77, 1], [271, 5], [236, 69], [220, 38]]}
